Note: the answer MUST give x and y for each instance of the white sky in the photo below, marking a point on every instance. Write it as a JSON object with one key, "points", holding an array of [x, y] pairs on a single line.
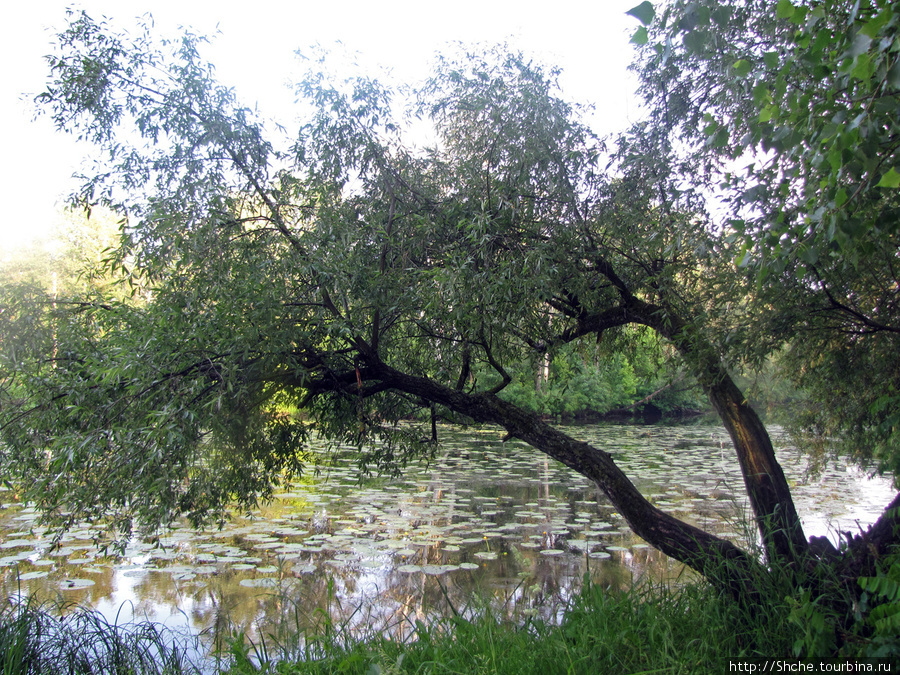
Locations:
{"points": [[254, 52]]}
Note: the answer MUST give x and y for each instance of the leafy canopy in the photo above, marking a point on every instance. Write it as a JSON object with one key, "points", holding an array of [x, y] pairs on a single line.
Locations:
{"points": [[786, 115], [358, 281], [254, 279]]}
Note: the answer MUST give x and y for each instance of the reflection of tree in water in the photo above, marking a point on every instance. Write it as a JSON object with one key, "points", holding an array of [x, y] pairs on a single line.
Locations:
{"points": [[52, 588], [381, 599], [157, 590], [477, 497], [649, 564], [229, 608]]}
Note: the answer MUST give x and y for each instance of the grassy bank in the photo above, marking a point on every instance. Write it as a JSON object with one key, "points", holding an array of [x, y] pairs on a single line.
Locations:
{"points": [[688, 629], [43, 639], [691, 629], [640, 631]]}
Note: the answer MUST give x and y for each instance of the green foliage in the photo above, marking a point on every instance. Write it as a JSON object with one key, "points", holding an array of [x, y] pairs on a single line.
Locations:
{"points": [[575, 388], [589, 380], [817, 626], [788, 120], [248, 279], [881, 598], [689, 630]]}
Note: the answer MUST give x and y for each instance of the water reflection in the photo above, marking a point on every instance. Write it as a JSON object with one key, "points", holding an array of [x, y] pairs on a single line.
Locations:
{"points": [[488, 526]]}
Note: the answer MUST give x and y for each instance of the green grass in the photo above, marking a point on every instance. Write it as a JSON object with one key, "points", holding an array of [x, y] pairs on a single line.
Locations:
{"points": [[649, 630], [691, 628], [39, 639]]}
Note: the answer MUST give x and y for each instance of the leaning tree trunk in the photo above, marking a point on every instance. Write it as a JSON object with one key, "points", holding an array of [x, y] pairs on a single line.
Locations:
{"points": [[767, 488], [696, 548]]}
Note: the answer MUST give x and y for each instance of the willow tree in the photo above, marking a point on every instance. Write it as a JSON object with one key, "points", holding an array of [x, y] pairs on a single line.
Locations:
{"points": [[358, 280]]}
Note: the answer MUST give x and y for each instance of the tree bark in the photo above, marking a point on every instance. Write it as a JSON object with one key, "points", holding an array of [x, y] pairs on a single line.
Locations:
{"points": [[866, 549], [767, 487]]}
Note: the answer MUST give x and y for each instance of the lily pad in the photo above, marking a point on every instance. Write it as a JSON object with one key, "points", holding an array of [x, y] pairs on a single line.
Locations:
{"points": [[371, 564], [595, 534], [436, 570], [262, 582], [17, 543]]}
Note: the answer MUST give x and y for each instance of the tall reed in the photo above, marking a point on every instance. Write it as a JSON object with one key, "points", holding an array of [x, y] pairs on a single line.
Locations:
{"points": [[44, 639]]}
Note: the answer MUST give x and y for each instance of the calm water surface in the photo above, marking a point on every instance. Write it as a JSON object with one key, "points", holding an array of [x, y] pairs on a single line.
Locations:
{"points": [[487, 524]]}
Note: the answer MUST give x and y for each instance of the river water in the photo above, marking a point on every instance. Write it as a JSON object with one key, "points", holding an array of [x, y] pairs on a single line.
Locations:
{"points": [[487, 525]]}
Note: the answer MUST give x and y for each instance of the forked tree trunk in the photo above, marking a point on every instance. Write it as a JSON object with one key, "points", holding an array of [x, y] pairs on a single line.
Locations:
{"points": [[698, 549], [767, 487]]}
